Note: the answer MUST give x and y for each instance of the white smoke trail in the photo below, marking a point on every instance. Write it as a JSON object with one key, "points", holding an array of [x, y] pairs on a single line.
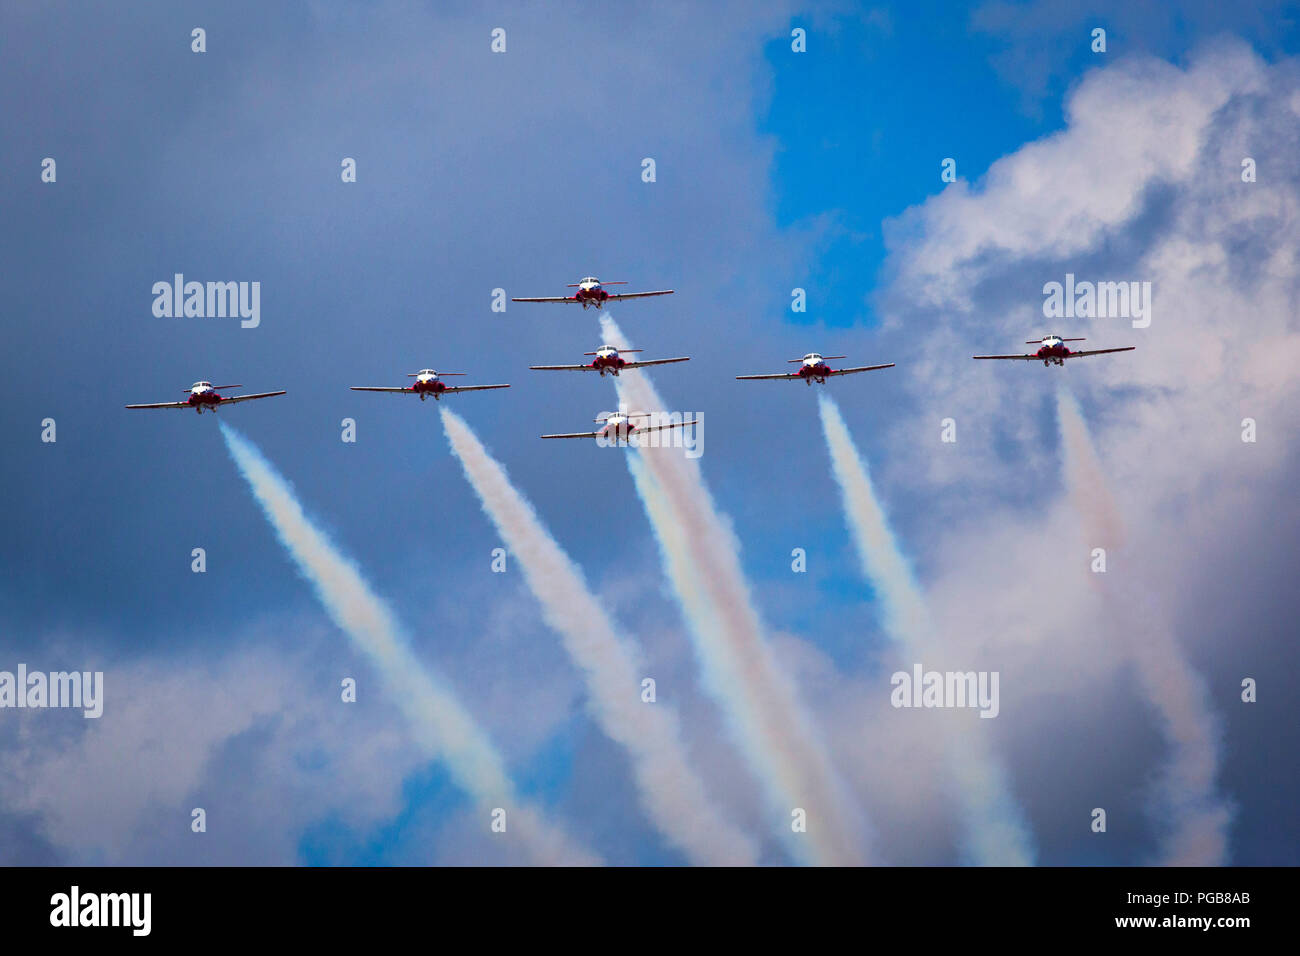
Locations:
{"points": [[738, 668], [1198, 816], [995, 832], [673, 795], [438, 720], [883, 562]]}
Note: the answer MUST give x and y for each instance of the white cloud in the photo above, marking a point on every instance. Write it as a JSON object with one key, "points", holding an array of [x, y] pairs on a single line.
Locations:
{"points": [[1143, 184], [120, 789]]}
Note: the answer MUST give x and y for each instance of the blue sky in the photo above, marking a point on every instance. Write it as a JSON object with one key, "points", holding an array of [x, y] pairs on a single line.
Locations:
{"points": [[775, 170], [856, 141]]}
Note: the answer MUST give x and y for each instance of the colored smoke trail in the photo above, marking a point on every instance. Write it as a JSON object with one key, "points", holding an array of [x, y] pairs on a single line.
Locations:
{"points": [[441, 725], [1084, 477], [700, 554], [1198, 818], [673, 795], [995, 832]]}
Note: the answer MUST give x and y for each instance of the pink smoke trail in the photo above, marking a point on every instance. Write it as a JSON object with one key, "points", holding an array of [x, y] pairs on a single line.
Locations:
{"points": [[775, 733], [673, 795], [1198, 818]]}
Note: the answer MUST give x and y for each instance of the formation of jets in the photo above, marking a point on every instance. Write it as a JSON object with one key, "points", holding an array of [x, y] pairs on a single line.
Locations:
{"points": [[619, 426]]}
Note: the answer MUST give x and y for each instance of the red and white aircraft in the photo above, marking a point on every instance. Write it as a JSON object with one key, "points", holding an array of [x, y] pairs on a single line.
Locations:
{"points": [[591, 291], [1053, 350], [619, 427], [608, 359], [815, 369], [427, 383], [204, 395]]}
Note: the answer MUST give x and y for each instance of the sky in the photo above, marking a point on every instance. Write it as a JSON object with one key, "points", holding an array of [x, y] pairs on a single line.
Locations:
{"points": [[775, 170]]}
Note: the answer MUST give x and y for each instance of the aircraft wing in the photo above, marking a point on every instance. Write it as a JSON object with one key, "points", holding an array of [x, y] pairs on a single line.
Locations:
{"points": [[246, 398], [574, 435], [638, 295], [656, 362], [564, 368], [1100, 351], [471, 388], [555, 298], [659, 428], [741, 378], [164, 405], [1026, 358], [379, 388], [861, 368]]}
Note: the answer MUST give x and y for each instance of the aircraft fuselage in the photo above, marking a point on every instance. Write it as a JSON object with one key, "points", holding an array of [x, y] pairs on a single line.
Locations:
{"points": [[1053, 352], [204, 398], [608, 363], [424, 387], [814, 372], [593, 295]]}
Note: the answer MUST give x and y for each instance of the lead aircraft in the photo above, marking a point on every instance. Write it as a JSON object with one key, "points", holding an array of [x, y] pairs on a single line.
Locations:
{"points": [[591, 291]]}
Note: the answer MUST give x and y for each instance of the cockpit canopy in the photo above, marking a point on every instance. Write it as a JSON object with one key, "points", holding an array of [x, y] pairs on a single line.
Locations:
{"points": [[591, 279], [201, 385], [813, 356]]}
